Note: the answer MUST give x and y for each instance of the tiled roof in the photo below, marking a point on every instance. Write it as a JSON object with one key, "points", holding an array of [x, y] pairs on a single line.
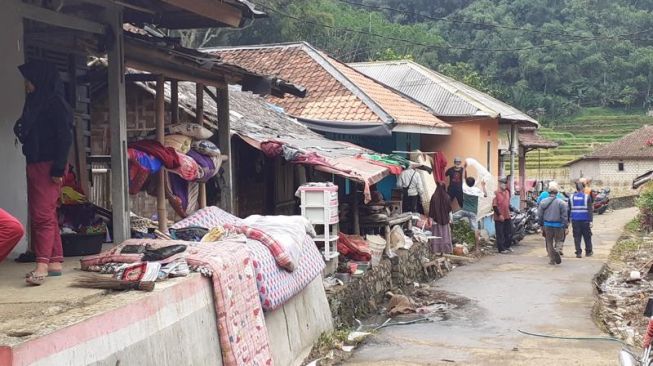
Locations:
{"points": [[530, 139], [632, 146], [442, 94], [336, 92]]}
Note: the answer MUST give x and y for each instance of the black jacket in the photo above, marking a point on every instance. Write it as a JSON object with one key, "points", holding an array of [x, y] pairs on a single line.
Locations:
{"points": [[45, 127]]}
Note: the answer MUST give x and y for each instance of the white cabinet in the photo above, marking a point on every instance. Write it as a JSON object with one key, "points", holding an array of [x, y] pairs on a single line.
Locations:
{"points": [[319, 205]]}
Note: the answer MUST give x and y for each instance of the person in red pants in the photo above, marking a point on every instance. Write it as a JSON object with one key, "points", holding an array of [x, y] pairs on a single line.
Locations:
{"points": [[45, 130], [11, 231]]}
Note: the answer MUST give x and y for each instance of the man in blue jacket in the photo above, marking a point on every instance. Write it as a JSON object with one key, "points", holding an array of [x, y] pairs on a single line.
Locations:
{"points": [[581, 208]]}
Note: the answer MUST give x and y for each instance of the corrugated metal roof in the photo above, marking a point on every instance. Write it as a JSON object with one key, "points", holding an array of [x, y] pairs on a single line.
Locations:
{"points": [[445, 96]]}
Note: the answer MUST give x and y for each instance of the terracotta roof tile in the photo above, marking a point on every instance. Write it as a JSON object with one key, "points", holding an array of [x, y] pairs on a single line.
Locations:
{"points": [[632, 146], [529, 138], [328, 98]]}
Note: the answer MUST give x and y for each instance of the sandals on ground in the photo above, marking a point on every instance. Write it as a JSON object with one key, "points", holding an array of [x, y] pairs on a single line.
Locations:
{"points": [[34, 279]]}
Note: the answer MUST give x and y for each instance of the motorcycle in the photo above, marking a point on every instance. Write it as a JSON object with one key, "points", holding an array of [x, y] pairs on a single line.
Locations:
{"points": [[601, 200], [532, 224], [519, 220], [627, 357]]}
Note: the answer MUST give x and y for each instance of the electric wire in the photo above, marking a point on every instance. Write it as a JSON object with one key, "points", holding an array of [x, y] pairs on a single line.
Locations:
{"points": [[446, 46]]}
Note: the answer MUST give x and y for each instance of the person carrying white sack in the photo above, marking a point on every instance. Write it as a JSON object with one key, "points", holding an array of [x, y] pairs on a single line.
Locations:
{"points": [[471, 197]]}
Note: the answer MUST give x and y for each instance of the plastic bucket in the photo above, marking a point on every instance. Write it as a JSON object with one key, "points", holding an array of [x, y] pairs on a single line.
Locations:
{"points": [[377, 247]]}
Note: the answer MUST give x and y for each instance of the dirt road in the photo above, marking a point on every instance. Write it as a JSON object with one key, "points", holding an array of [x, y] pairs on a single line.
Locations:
{"points": [[507, 293]]}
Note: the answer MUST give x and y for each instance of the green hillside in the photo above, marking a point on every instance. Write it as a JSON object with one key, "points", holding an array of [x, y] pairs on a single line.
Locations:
{"points": [[582, 133]]}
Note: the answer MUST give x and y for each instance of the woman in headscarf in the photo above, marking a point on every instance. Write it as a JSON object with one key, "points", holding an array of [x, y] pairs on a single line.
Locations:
{"points": [[45, 130], [440, 212]]}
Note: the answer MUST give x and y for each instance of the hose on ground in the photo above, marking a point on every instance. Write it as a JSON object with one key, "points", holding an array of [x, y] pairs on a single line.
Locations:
{"points": [[609, 339]]}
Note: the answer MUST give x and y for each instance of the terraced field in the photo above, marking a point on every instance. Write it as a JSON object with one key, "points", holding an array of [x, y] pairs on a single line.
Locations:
{"points": [[581, 134]]}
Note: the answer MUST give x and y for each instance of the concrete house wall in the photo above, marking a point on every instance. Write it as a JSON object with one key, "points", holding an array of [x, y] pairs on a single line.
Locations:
{"points": [[468, 139], [605, 173], [13, 198]]}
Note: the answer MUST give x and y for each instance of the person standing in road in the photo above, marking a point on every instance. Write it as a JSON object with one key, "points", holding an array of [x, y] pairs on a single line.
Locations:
{"points": [[456, 174], [502, 221], [553, 216], [410, 183], [580, 206]]}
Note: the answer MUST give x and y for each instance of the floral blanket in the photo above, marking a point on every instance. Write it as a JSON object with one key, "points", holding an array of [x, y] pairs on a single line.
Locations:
{"points": [[275, 285], [241, 325]]}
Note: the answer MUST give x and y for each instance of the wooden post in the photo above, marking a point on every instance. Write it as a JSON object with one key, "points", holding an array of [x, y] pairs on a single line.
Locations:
{"points": [[513, 140], [174, 101], [224, 139], [118, 126], [355, 211], [522, 176], [160, 135], [199, 119]]}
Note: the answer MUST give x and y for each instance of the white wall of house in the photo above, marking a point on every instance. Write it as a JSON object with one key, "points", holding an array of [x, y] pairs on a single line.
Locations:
{"points": [[13, 197], [607, 173], [584, 169]]}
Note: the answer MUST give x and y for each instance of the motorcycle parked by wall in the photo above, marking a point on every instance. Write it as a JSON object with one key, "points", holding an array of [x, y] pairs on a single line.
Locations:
{"points": [[519, 220], [628, 357], [601, 200], [532, 224]]}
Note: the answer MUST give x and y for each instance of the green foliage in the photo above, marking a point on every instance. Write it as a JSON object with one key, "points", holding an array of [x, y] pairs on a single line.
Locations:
{"points": [[645, 199], [557, 56], [461, 232]]}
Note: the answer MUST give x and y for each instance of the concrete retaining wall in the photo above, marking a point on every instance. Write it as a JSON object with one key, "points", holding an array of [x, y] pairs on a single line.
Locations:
{"points": [[617, 203], [175, 326]]}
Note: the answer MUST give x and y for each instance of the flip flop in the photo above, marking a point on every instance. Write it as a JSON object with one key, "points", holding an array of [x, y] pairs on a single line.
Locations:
{"points": [[54, 273], [33, 279]]}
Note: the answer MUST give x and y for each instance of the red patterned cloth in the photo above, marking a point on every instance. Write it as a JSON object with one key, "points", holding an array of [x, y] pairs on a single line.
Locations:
{"points": [[241, 324], [167, 155], [354, 247], [282, 257], [188, 168], [137, 173], [272, 149]]}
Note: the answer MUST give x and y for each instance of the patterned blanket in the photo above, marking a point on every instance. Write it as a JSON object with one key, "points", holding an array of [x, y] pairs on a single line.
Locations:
{"points": [[276, 286], [241, 325]]}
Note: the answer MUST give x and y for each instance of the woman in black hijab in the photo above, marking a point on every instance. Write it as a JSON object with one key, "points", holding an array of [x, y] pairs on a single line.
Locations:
{"points": [[45, 130], [440, 212]]}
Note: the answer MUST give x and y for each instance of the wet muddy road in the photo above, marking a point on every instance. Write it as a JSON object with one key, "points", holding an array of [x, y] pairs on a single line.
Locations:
{"points": [[500, 295]]}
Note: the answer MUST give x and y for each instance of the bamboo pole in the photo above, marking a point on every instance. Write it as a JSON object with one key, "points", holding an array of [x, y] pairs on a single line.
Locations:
{"points": [[160, 134], [199, 119]]}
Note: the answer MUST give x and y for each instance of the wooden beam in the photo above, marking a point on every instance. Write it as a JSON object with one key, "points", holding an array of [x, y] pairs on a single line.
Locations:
{"points": [[174, 74], [216, 10], [224, 139], [174, 101], [160, 135], [118, 127], [199, 119], [51, 17]]}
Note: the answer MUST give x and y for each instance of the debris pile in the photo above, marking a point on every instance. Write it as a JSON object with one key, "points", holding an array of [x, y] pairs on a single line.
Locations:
{"points": [[624, 287]]}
